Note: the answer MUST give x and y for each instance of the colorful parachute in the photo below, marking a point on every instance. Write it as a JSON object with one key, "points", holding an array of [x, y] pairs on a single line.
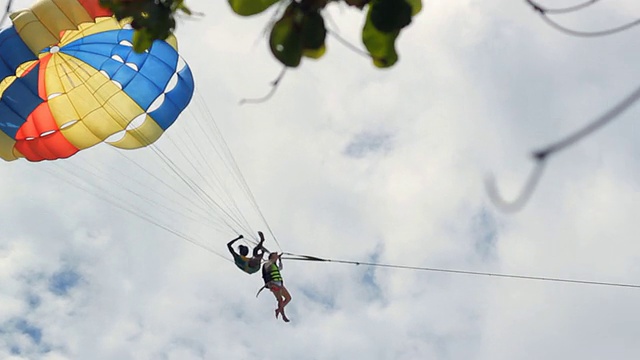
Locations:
{"points": [[69, 79]]}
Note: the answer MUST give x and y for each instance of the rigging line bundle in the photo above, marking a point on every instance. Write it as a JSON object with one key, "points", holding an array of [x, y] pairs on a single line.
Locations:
{"points": [[223, 205], [216, 211], [139, 215]]}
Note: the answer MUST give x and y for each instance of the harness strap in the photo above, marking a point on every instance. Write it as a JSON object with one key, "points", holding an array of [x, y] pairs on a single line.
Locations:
{"points": [[269, 286], [262, 288]]}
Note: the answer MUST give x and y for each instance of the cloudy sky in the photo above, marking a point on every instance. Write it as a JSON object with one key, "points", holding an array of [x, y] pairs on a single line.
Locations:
{"points": [[351, 162]]}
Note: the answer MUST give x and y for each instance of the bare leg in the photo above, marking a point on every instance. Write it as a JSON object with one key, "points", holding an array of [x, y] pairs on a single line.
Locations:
{"points": [[280, 310], [284, 316], [279, 300], [286, 296], [285, 299]]}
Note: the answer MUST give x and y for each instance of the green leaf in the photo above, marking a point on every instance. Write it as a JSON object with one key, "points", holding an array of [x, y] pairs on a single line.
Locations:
{"points": [[250, 7], [380, 45], [285, 41], [390, 15], [314, 53], [179, 5], [416, 6], [313, 31], [142, 40]]}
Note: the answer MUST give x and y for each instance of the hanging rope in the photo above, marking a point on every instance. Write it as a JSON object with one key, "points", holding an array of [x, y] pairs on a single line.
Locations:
{"points": [[464, 272], [545, 12]]}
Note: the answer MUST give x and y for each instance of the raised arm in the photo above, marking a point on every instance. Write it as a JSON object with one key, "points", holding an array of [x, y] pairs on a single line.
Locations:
{"points": [[230, 243]]}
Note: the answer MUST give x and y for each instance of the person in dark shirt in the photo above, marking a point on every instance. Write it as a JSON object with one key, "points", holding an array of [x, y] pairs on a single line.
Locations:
{"points": [[250, 265]]}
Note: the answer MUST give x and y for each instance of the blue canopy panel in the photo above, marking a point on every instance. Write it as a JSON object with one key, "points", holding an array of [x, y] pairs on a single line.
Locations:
{"points": [[175, 100], [104, 51], [13, 52], [18, 101]]}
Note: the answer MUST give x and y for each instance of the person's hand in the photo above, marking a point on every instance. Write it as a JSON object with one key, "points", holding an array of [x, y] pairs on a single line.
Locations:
{"points": [[240, 237]]}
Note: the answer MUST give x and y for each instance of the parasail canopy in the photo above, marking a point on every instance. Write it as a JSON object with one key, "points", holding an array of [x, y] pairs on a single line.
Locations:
{"points": [[70, 79]]}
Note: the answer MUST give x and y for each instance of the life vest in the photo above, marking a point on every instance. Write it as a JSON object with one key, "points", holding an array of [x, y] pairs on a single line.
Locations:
{"points": [[271, 273]]}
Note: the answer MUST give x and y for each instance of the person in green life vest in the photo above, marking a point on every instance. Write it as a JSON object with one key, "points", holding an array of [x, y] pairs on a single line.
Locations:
{"points": [[273, 281], [250, 265]]}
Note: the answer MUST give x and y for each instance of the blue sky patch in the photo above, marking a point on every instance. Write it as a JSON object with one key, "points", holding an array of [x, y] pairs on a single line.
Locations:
{"points": [[34, 332], [485, 233], [63, 281], [33, 300], [369, 275], [367, 143], [13, 332], [326, 299]]}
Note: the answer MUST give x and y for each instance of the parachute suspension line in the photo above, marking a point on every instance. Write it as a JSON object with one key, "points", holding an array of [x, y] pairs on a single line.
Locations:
{"points": [[77, 71], [224, 196], [196, 188], [462, 272], [220, 147], [230, 162], [214, 147], [105, 191], [204, 215], [204, 180], [167, 160], [113, 108], [245, 186], [142, 216], [200, 192], [231, 203], [178, 208], [196, 217], [177, 173], [237, 172], [78, 182]]}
